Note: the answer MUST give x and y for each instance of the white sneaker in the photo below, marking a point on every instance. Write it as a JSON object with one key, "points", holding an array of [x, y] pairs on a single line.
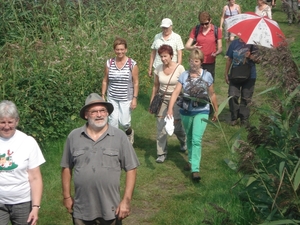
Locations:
{"points": [[131, 137], [161, 158]]}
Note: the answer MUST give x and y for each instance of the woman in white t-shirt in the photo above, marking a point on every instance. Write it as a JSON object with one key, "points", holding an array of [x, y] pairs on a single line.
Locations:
{"points": [[263, 9], [165, 80], [168, 37], [21, 180]]}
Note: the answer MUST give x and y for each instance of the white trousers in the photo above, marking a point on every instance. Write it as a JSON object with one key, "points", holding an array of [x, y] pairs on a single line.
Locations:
{"points": [[121, 116]]}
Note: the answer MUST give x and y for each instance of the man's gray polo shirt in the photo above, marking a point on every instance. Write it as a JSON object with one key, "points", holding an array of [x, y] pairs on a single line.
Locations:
{"points": [[97, 170]]}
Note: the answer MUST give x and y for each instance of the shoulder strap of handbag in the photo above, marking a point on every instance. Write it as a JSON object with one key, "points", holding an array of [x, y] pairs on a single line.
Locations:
{"points": [[170, 80], [229, 10]]}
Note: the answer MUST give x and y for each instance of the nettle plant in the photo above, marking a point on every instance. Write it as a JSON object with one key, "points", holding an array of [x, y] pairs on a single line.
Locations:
{"points": [[269, 159]]}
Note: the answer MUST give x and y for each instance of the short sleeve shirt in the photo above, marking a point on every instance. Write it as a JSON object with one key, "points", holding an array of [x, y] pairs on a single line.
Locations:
{"points": [[265, 12], [164, 80], [207, 42], [17, 154], [174, 41], [97, 169], [183, 79], [237, 50]]}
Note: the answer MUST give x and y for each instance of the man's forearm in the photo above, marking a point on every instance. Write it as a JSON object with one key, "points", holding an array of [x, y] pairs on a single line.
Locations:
{"points": [[130, 183], [66, 176]]}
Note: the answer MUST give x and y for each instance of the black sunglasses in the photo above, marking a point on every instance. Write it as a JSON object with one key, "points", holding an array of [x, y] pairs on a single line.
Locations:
{"points": [[204, 23]]}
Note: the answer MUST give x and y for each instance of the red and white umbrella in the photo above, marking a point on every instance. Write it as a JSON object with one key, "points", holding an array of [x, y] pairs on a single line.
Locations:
{"points": [[254, 29]]}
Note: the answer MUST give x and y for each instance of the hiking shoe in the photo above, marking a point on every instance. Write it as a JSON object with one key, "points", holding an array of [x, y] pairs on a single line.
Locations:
{"points": [[131, 137], [187, 167], [161, 158], [233, 122], [183, 148], [196, 177], [244, 123]]}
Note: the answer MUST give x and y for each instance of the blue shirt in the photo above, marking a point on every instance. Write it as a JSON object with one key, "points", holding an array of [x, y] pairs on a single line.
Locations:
{"points": [[208, 80], [237, 50]]}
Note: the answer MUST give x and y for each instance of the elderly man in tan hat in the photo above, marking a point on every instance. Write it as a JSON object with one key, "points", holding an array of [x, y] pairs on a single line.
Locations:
{"points": [[96, 153]]}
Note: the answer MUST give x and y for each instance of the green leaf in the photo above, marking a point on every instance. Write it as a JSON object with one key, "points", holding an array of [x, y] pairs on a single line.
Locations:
{"points": [[211, 122], [292, 95], [73, 117], [223, 105], [279, 154], [250, 181], [230, 164], [297, 180], [278, 222], [236, 144], [281, 167], [266, 91]]}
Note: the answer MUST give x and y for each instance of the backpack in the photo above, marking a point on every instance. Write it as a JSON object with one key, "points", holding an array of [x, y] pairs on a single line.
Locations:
{"points": [[197, 95], [129, 62], [241, 73], [197, 32]]}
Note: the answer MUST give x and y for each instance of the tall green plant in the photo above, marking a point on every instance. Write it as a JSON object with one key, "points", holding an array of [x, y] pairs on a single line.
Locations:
{"points": [[269, 159]]}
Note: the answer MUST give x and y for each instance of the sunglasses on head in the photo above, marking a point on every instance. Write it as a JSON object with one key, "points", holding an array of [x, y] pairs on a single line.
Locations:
{"points": [[204, 23]]}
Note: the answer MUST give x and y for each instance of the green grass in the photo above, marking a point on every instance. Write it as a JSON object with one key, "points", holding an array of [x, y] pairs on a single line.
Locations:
{"points": [[164, 193]]}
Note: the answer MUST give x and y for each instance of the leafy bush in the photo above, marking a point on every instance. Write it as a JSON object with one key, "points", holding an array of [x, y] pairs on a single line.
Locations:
{"points": [[270, 159], [53, 52]]}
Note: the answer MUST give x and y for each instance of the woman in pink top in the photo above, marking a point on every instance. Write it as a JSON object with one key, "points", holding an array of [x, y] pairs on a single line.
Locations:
{"points": [[208, 40], [231, 9]]}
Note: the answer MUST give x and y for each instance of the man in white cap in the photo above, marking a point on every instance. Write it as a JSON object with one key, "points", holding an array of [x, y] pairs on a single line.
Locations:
{"points": [[168, 37], [94, 155]]}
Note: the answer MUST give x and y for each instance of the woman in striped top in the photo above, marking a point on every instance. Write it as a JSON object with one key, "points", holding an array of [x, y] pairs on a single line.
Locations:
{"points": [[122, 86]]}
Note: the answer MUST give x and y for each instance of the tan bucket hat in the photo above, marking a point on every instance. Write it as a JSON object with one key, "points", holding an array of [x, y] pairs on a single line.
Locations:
{"points": [[92, 99]]}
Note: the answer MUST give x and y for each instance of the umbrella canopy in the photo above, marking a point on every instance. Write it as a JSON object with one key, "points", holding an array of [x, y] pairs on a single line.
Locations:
{"points": [[254, 29]]}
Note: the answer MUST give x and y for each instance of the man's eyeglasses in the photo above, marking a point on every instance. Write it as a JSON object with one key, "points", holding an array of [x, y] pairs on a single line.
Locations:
{"points": [[204, 23], [95, 112]]}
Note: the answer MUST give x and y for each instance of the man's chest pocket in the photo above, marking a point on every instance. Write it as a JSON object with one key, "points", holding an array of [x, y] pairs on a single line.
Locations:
{"points": [[111, 159], [79, 158]]}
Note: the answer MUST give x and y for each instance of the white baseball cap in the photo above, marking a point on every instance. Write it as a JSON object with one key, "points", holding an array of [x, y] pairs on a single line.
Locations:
{"points": [[166, 22]]}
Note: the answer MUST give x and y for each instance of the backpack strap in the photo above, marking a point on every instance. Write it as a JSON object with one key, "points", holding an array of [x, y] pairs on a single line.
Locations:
{"points": [[198, 29], [196, 32], [110, 62], [216, 33], [130, 64]]}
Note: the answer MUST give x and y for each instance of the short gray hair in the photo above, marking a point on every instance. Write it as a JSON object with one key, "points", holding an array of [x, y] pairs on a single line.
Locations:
{"points": [[8, 109]]}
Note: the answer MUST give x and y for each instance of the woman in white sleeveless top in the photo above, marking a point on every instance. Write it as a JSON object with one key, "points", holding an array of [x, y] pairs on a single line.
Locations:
{"points": [[263, 9], [231, 9]]}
